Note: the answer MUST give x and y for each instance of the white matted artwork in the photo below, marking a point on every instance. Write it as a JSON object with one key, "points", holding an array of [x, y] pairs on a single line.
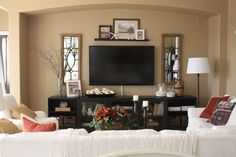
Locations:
{"points": [[140, 34], [125, 28], [73, 88]]}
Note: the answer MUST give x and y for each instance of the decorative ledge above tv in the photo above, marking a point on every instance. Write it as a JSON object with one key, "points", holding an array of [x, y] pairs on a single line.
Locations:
{"points": [[101, 39], [121, 65]]}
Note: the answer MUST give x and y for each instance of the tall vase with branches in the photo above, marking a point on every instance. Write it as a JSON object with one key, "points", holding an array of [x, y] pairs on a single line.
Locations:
{"points": [[52, 59]]}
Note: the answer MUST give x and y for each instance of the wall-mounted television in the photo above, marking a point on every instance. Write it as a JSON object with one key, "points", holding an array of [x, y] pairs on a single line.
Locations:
{"points": [[121, 65]]}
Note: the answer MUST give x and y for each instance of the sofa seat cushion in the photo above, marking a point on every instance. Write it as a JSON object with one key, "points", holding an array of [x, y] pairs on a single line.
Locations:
{"points": [[211, 106], [31, 125], [8, 127], [18, 110]]}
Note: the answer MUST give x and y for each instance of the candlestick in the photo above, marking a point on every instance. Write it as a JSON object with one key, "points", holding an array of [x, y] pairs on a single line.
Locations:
{"points": [[145, 103], [145, 117], [135, 97]]}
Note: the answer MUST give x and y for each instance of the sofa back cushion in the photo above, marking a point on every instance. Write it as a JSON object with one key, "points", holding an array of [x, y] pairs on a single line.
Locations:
{"points": [[232, 118], [211, 106], [222, 113], [5, 114], [9, 101], [18, 110]]}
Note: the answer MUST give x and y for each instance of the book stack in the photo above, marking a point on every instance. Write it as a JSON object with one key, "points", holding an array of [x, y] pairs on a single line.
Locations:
{"points": [[62, 109]]}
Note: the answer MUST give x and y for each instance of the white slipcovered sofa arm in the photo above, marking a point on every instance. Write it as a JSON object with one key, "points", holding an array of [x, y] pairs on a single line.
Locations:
{"points": [[40, 114], [194, 112]]}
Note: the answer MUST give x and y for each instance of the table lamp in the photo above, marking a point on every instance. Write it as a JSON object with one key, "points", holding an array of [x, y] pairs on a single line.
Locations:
{"points": [[198, 65]]}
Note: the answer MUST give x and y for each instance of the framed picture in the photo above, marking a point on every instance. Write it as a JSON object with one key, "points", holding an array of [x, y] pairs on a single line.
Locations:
{"points": [[104, 31], [140, 34], [73, 88], [125, 28]]}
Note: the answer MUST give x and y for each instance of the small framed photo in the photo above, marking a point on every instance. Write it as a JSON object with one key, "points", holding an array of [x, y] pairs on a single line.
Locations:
{"points": [[105, 31], [125, 28], [73, 88], [140, 34]]}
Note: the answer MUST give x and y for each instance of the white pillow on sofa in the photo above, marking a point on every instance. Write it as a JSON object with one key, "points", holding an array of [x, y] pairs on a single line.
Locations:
{"points": [[232, 118], [198, 123]]}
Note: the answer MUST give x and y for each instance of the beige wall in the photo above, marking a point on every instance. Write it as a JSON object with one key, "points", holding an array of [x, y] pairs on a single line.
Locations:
{"points": [[44, 32], [24, 68], [3, 20], [209, 7], [214, 55], [231, 64]]}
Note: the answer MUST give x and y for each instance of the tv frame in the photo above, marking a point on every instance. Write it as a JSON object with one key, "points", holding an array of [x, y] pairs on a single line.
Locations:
{"points": [[152, 82]]}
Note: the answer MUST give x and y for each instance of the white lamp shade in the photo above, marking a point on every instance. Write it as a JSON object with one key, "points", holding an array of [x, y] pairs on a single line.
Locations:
{"points": [[198, 65]]}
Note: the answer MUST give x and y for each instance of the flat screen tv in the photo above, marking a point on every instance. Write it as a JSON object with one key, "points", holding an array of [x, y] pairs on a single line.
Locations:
{"points": [[121, 65]]}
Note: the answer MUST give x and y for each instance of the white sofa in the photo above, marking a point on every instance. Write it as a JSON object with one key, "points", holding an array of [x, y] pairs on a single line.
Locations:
{"points": [[78, 142], [10, 102], [195, 122]]}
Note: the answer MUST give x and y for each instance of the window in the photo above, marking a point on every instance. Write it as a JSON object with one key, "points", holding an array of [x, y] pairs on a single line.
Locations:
{"points": [[4, 75]]}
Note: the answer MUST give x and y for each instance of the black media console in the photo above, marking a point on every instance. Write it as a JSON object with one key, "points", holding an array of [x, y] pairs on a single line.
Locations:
{"points": [[163, 112]]}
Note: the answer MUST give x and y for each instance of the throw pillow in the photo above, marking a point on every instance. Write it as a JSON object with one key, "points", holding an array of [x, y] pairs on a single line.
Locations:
{"points": [[18, 110], [31, 125], [211, 106], [8, 127], [222, 113]]}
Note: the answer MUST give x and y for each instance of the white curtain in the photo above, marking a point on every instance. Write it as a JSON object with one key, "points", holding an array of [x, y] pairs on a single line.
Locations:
{"points": [[3, 64]]}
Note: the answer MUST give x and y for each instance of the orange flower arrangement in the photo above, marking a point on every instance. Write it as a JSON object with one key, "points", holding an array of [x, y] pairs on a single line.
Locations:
{"points": [[106, 117]]}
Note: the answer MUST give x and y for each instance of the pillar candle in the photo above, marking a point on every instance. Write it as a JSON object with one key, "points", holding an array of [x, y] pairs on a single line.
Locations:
{"points": [[145, 103], [135, 98]]}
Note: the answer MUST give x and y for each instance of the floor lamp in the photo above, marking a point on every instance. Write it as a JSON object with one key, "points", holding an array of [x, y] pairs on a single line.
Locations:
{"points": [[198, 66]]}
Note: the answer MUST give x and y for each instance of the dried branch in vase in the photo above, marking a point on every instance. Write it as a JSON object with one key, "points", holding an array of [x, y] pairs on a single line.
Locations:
{"points": [[51, 58]]}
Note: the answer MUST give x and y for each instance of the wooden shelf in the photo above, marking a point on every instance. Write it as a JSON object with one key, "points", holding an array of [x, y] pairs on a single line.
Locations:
{"points": [[99, 39]]}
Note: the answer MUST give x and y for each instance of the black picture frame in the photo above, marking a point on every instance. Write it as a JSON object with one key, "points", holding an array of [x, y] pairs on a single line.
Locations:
{"points": [[105, 31]]}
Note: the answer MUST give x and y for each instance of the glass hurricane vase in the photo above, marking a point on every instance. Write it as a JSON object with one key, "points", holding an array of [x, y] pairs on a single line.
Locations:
{"points": [[60, 86]]}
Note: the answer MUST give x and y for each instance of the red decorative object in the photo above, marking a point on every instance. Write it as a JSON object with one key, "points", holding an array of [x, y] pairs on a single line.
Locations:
{"points": [[211, 106]]}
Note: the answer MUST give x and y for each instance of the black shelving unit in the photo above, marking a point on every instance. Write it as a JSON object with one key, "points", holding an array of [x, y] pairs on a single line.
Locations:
{"points": [[67, 119], [178, 119], [80, 117]]}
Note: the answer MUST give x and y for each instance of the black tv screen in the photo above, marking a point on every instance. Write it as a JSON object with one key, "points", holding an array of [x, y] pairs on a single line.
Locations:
{"points": [[121, 65]]}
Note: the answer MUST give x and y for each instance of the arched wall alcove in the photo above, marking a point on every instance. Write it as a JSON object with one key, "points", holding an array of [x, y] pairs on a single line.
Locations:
{"points": [[36, 16], [4, 18]]}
